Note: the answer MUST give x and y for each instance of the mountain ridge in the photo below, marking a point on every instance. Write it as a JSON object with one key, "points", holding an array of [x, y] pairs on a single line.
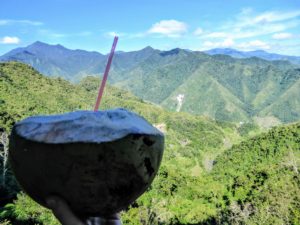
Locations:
{"points": [[242, 88], [256, 53]]}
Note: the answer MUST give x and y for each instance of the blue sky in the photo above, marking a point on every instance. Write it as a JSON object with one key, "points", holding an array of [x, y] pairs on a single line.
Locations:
{"points": [[271, 25]]}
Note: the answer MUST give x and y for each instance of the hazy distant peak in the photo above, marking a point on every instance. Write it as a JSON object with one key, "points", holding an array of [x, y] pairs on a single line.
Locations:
{"points": [[148, 48], [215, 51], [256, 53], [60, 46], [38, 44], [174, 51], [259, 51]]}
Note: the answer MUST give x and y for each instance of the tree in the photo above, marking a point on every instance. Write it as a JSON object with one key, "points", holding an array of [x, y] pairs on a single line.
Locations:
{"points": [[4, 154]]}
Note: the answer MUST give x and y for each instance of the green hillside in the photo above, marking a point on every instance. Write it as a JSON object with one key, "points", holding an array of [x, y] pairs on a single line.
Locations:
{"points": [[202, 179], [155, 78], [245, 88], [192, 142], [261, 178], [287, 105], [25, 92], [207, 175], [213, 99], [254, 182]]}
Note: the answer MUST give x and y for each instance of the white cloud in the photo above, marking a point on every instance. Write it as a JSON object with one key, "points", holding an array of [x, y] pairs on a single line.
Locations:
{"points": [[170, 28], [9, 40], [228, 42], [250, 19], [24, 22], [124, 35], [3, 22], [275, 16], [254, 45], [210, 44], [281, 36], [217, 35], [261, 30], [112, 34], [246, 11], [58, 35], [249, 24], [198, 31]]}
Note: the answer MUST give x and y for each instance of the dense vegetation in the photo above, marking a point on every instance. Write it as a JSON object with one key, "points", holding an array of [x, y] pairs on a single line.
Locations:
{"points": [[254, 182], [218, 86], [206, 177]]}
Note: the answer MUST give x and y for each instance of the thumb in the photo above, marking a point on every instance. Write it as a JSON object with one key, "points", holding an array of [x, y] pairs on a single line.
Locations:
{"points": [[62, 211]]}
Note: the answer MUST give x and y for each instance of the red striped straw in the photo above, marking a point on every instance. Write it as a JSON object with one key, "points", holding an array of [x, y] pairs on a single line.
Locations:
{"points": [[101, 89]]}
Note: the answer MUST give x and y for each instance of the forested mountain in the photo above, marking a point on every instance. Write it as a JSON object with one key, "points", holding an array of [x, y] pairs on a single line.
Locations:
{"points": [[218, 86], [207, 175], [257, 53], [58, 61], [55, 60], [25, 92]]}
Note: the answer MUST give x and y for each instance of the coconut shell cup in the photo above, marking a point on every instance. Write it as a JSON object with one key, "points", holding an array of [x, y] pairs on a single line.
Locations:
{"points": [[99, 162]]}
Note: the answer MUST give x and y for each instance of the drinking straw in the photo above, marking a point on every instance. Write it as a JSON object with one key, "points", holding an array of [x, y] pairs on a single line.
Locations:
{"points": [[105, 75]]}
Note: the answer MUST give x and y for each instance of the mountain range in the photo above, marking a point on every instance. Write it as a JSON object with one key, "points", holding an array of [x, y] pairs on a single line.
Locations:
{"points": [[212, 83], [257, 53]]}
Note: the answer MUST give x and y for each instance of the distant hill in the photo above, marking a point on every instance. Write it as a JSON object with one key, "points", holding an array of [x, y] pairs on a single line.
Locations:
{"points": [[55, 60], [58, 61], [218, 86], [257, 53]]}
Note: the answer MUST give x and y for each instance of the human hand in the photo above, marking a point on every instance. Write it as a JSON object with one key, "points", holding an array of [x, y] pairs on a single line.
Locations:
{"points": [[64, 214]]}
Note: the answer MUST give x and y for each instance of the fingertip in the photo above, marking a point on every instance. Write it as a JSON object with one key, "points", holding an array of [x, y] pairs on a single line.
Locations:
{"points": [[62, 211]]}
